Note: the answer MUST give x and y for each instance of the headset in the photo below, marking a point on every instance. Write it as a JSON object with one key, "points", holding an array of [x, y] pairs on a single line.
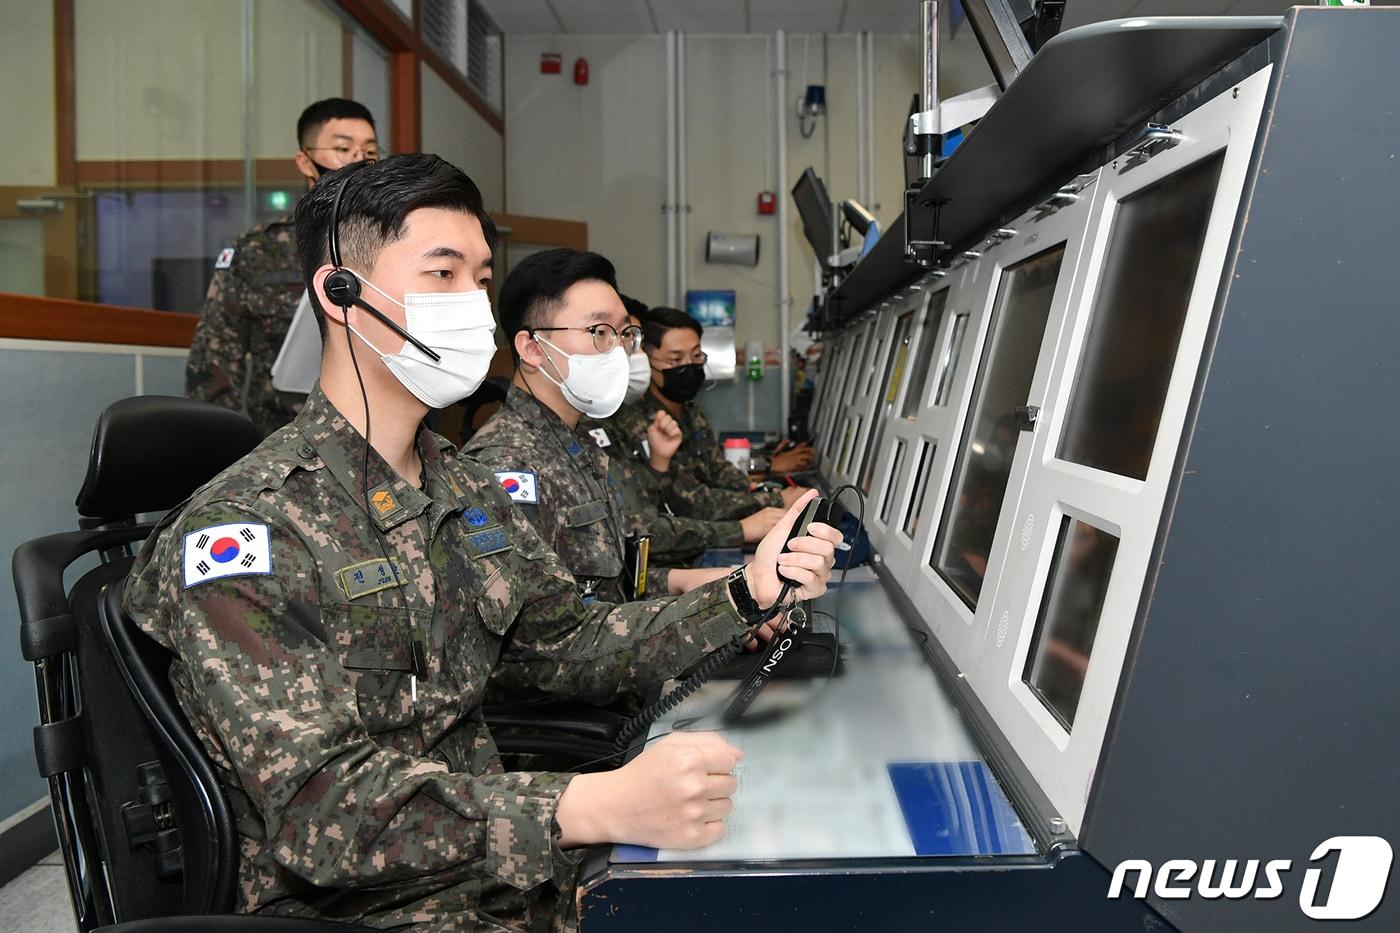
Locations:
{"points": [[343, 288]]}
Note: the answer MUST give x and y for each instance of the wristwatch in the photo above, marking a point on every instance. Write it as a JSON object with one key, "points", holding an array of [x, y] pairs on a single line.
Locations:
{"points": [[748, 607]]}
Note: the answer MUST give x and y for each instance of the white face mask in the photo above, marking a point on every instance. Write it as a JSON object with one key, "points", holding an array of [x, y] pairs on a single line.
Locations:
{"points": [[638, 376], [458, 327], [596, 383]]}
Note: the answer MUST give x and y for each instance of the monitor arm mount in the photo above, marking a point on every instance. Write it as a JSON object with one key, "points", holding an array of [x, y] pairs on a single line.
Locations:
{"points": [[1010, 32]]}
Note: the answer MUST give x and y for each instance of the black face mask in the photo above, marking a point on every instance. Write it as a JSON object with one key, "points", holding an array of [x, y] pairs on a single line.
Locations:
{"points": [[320, 169], [682, 383]]}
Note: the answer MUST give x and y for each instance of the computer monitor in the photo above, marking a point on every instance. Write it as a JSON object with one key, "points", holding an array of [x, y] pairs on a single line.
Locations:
{"points": [[814, 206]]}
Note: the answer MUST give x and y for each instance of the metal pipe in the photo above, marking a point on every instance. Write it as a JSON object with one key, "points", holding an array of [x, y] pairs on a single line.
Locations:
{"points": [[682, 194], [874, 203], [784, 298], [668, 209], [928, 11], [860, 118], [250, 165]]}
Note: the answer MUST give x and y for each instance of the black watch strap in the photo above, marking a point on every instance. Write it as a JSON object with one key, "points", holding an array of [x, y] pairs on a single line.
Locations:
{"points": [[743, 600]]}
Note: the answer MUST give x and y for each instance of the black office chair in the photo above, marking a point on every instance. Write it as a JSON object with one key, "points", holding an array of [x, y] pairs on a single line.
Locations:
{"points": [[143, 832], [143, 823]]}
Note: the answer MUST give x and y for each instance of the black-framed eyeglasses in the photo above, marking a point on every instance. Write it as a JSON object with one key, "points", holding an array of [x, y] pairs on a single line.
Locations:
{"points": [[696, 359], [605, 336], [348, 154]]}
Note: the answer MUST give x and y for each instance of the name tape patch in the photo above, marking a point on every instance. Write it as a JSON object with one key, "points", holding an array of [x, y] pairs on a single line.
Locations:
{"points": [[370, 576], [522, 486], [232, 550]]}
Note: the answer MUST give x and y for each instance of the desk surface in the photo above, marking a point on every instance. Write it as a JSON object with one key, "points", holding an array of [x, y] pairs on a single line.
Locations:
{"points": [[877, 764]]}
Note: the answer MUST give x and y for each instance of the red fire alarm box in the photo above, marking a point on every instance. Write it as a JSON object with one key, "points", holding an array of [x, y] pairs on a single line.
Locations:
{"points": [[581, 71], [551, 63], [767, 202]]}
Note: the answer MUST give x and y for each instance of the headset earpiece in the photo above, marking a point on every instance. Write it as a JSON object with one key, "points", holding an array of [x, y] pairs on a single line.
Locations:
{"points": [[342, 287]]}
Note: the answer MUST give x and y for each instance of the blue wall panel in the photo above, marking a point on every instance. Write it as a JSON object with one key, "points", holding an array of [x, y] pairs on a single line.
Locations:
{"points": [[49, 402]]}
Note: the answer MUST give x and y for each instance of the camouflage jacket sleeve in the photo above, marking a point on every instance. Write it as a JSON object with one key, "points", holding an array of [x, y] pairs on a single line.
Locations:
{"points": [[339, 809], [559, 646], [688, 494], [674, 539], [216, 367]]}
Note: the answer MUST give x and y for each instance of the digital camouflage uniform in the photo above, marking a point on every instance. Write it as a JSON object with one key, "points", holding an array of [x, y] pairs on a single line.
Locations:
{"points": [[243, 323], [362, 791], [705, 484], [575, 503], [675, 540]]}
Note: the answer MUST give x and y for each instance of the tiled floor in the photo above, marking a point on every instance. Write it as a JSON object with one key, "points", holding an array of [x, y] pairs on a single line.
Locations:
{"points": [[37, 901]]}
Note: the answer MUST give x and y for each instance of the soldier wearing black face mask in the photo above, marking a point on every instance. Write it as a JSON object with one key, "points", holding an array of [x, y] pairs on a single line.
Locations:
{"points": [[257, 282], [705, 485]]}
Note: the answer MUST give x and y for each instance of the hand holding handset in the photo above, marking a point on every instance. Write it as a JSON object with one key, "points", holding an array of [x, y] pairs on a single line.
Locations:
{"points": [[785, 642], [782, 645]]}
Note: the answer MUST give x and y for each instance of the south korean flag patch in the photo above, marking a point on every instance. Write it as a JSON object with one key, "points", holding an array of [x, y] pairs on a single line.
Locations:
{"points": [[521, 487], [232, 550]]}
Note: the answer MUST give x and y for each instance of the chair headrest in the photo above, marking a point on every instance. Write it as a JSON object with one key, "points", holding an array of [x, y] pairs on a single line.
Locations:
{"points": [[149, 453]]}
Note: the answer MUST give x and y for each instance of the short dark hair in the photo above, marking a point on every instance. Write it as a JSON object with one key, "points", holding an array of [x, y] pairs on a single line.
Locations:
{"points": [[535, 288], [635, 308], [323, 112], [660, 320], [379, 196]]}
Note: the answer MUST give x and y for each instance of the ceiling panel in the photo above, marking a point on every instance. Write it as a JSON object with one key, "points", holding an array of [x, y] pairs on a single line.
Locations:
{"points": [[522, 17], [700, 16], [604, 17], [883, 16], [797, 15]]}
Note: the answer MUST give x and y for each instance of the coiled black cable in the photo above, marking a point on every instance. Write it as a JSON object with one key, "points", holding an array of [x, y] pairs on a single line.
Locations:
{"points": [[640, 722]]}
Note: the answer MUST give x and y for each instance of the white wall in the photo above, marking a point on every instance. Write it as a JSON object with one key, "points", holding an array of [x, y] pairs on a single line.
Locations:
{"points": [[453, 130], [597, 153]]}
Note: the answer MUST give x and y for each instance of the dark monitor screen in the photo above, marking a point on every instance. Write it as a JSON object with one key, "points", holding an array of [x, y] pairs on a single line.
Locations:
{"points": [[815, 209], [983, 474], [1139, 312]]}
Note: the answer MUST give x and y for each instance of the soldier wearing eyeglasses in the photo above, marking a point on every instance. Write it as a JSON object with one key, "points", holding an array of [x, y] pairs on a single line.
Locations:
{"points": [[569, 330], [257, 282]]}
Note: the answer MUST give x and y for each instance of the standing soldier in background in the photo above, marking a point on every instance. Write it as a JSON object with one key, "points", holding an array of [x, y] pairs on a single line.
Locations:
{"points": [[257, 281]]}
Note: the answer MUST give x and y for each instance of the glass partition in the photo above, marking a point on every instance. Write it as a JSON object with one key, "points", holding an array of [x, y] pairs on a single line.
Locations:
{"points": [[179, 136], [989, 440]]}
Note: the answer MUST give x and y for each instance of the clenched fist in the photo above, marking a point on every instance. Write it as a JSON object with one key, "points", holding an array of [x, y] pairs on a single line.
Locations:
{"points": [[674, 795], [663, 440]]}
